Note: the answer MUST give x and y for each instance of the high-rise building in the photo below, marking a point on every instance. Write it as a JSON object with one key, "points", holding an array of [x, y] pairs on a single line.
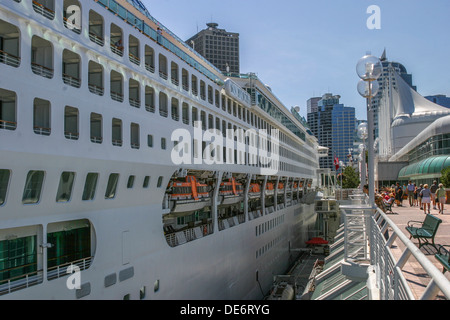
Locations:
{"points": [[218, 46], [440, 99], [333, 125]]}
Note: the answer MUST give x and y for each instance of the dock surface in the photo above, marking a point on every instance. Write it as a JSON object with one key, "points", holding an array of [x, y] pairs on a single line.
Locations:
{"points": [[413, 272]]}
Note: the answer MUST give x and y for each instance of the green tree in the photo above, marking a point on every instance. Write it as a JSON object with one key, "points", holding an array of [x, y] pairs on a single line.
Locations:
{"points": [[445, 179], [350, 178]]}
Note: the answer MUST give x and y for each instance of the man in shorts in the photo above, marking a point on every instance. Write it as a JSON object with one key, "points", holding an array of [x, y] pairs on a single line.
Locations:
{"points": [[433, 190]]}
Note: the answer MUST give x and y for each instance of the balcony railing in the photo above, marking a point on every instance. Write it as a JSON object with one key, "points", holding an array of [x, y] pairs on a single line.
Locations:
{"points": [[20, 282], [96, 39], [71, 80], [8, 125], [41, 70], [46, 12], [96, 89], [9, 59]]}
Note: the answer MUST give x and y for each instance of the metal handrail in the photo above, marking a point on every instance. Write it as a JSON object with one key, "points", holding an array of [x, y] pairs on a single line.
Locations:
{"points": [[393, 277]]}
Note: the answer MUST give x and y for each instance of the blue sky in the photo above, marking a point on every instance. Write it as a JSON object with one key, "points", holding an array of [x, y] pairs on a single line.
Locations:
{"points": [[307, 48]]}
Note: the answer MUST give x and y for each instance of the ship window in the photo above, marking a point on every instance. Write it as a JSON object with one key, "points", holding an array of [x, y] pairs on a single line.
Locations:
{"points": [[149, 99], [185, 113], [117, 132], [146, 182], [96, 28], [18, 258], [41, 57], [194, 85], [142, 293], [156, 286], [33, 187], [149, 59], [194, 116], [41, 117], [133, 48], [202, 90], [210, 94], [116, 40], [72, 15], [116, 83], [185, 79], [150, 140], [95, 78], [8, 110], [163, 143], [9, 44], [160, 181], [130, 182], [135, 144], [90, 186], [45, 8], [174, 73], [71, 68], [96, 128], [4, 181], [175, 111], [71, 123], [65, 187], [163, 110], [112, 186], [162, 66], [134, 93], [71, 244]]}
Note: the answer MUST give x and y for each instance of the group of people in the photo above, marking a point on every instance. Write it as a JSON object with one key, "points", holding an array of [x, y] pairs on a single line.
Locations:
{"points": [[422, 196]]}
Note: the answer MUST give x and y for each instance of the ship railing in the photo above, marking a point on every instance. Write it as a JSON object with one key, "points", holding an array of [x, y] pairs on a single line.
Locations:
{"points": [[69, 25], [150, 108], [150, 68], [8, 125], [369, 235], [42, 130], [20, 282], [185, 87], [117, 142], [68, 268], [46, 12], [96, 89], [189, 234], [9, 59], [117, 96], [163, 75], [42, 70], [95, 139], [175, 81], [117, 50], [134, 59], [71, 80], [134, 102], [71, 135], [96, 39]]}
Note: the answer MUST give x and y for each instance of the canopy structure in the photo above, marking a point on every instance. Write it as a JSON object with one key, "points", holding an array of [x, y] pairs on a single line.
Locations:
{"points": [[429, 168]]}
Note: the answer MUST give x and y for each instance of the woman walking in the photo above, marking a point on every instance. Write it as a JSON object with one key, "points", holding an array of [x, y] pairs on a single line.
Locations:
{"points": [[426, 198]]}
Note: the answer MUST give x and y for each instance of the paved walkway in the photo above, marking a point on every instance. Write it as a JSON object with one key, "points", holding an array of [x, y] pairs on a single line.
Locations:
{"points": [[413, 272]]}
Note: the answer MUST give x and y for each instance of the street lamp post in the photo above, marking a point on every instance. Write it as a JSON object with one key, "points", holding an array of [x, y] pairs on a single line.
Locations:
{"points": [[369, 69], [362, 134]]}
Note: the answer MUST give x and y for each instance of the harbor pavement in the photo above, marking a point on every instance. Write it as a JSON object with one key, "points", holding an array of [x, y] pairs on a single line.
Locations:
{"points": [[413, 272]]}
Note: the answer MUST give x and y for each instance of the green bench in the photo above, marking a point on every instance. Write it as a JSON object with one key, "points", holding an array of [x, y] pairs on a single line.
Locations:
{"points": [[443, 256], [427, 229]]}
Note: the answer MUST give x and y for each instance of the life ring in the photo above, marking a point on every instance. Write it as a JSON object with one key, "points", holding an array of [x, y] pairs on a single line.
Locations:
{"points": [[205, 230]]}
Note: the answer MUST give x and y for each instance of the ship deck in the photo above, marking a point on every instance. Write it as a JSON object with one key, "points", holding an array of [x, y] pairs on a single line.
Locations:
{"points": [[417, 278]]}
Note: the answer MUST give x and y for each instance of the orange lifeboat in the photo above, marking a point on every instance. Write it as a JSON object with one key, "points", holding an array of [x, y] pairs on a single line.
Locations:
{"points": [[231, 192], [189, 195]]}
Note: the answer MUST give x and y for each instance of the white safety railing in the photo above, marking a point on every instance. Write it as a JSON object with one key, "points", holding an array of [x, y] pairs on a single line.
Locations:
{"points": [[369, 236]]}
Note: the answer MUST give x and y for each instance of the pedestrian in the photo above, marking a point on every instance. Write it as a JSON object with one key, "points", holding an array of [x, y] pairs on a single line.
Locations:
{"points": [[159, 35], [440, 196], [410, 189], [416, 203], [419, 196], [426, 198], [433, 190], [398, 195]]}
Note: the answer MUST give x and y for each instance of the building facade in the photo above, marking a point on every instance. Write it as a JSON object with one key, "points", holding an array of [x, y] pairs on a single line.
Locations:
{"points": [[218, 46], [333, 125]]}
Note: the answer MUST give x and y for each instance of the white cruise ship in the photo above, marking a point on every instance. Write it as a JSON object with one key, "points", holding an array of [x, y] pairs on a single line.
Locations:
{"points": [[131, 168]]}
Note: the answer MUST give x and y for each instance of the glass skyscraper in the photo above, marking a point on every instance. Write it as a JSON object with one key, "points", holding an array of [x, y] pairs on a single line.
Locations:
{"points": [[333, 125]]}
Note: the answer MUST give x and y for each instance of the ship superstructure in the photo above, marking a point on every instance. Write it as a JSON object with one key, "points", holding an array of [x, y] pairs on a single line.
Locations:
{"points": [[131, 168]]}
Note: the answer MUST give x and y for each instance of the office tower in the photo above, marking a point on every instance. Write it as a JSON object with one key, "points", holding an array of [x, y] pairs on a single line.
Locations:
{"points": [[333, 125], [218, 46]]}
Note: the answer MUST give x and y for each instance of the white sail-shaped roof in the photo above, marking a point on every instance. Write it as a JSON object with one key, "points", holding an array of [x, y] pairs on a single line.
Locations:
{"points": [[412, 113]]}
